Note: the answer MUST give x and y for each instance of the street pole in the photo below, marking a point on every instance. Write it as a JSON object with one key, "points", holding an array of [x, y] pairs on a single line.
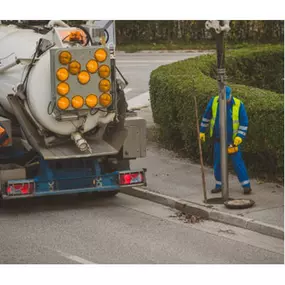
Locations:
{"points": [[223, 114], [221, 27]]}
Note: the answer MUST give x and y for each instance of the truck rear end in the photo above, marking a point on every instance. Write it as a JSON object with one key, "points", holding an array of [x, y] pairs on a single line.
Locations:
{"points": [[69, 126]]}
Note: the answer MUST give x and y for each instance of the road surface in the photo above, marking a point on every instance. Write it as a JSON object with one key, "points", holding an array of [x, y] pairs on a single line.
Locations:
{"points": [[121, 230], [136, 68]]}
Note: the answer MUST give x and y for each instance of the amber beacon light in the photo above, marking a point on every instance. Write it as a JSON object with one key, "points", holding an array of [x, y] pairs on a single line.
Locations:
{"points": [[91, 100], [65, 57], [100, 55], [62, 88], [63, 103], [83, 77], [105, 100], [62, 74], [77, 102], [104, 71], [92, 66], [104, 85], [74, 67]]}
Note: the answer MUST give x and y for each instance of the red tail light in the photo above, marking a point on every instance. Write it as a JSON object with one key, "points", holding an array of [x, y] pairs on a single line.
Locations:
{"points": [[131, 178], [24, 188]]}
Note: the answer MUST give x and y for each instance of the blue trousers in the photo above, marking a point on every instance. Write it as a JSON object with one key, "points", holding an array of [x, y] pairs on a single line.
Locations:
{"points": [[238, 163]]}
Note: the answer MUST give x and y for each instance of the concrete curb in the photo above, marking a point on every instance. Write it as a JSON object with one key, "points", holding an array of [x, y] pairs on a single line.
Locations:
{"points": [[205, 212]]}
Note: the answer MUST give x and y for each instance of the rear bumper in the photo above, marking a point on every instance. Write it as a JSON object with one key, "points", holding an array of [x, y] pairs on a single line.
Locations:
{"points": [[61, 192], [104, 183]]}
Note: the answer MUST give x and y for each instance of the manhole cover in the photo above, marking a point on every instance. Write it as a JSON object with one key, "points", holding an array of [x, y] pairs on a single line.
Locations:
{"points": [[216, 200], [239, 203]]}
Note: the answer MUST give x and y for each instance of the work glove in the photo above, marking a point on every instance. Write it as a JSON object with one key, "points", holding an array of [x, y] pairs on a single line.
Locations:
{"points": [[237, 141], [202, 137]]}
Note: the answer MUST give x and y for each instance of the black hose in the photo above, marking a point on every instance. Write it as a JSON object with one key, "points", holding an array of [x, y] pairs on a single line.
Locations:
{"points": [[25, 82], [126, 82], [108, 36]]}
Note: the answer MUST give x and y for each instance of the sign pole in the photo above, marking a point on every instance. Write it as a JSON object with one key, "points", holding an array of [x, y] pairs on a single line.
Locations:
{"points": [[220, 28]]}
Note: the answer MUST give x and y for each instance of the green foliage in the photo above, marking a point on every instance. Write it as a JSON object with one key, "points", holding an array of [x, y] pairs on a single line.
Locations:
{"points": [[133, 33], [262, 68], [172, 88], [156, 32]]}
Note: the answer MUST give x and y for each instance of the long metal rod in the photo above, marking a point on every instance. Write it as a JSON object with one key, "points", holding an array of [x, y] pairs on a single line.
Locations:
{"points": [[223, 115], [113, 78], [201, 152]]}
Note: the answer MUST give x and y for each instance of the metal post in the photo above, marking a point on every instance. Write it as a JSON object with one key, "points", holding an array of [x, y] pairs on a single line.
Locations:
{"points": [[223, 114]]}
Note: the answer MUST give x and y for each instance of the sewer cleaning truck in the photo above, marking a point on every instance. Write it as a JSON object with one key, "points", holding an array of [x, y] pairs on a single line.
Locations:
{"points": [[64, 111]]}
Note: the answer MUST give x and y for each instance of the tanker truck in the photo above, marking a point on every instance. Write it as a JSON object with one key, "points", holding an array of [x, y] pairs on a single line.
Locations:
{"points": [[63, 106]]}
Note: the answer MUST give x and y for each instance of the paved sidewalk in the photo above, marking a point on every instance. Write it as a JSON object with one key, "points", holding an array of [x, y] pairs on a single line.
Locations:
{"points": [[179, 178]]}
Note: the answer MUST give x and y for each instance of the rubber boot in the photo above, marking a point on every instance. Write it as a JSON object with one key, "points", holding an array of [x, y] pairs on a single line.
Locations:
{"points": [[216, 190], [247, 190]]}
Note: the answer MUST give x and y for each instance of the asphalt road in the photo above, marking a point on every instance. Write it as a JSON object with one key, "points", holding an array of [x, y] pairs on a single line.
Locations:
{"points": [[136, 67], [123, 230]]}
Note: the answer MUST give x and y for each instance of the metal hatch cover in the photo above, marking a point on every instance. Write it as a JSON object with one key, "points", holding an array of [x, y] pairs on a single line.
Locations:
{"points": [[239, 203]]}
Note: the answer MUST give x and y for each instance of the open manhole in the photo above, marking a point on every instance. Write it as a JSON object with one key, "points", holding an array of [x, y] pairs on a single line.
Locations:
{"points": [[232, 203], [239, 203]]}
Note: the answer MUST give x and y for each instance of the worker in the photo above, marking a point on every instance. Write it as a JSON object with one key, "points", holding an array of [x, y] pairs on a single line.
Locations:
{"points": [[237, 126], [4, 138]]}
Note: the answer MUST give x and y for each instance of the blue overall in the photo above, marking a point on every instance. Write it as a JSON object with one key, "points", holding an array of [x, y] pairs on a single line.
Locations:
{"points": [[238, 163]]}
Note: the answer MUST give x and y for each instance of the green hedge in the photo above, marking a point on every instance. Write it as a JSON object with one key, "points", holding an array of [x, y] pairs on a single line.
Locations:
{"points": [[173, 86]]}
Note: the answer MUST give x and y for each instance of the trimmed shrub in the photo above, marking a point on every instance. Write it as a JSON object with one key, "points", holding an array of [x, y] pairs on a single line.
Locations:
{"points": [[172, 91]]}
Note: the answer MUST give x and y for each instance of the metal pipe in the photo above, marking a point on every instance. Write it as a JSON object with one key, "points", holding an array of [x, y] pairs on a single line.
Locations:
{"points": [[26, 126], [10, 65], [59, 23], [113, 77], [80, 142], [223, 138], [223, 114]]}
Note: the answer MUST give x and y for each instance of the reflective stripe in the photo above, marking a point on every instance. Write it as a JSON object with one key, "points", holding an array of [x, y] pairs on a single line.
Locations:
{"points": [[205, 120], [235, 132], [245, 182], [204, 125], [236, 122], [242, 133], [219, 182], [243, 128]]}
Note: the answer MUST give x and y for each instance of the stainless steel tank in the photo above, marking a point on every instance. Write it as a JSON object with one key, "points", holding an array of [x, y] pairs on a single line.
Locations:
{"points": [[21, 43]]}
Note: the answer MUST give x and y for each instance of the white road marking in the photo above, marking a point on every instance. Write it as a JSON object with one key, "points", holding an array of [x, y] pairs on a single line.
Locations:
{"points": [[122, 65], [74, 257], [127, 90], [142, 100]]}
